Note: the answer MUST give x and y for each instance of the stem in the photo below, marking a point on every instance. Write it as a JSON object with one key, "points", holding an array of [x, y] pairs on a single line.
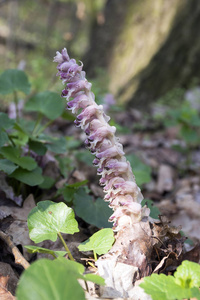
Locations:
{"points": [[65, 246], [10, 138], [44, 127], [39, 118], [16, 105], [95, 255]]}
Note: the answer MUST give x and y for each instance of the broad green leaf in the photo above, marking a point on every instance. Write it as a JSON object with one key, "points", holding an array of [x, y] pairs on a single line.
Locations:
{"points": [[94, 278], [154, 211], [14, 80], [32, 178], [187, 274], [72, 143], [37, 147], [48, 103], [85, 157], [100, 242], [13, 154], [3, 138], [141, 171], [7, 166], [77, 269], [66, 165], [184, 285], [96, 212], [5, 121], [35, 249], [164, 287], [47, 219], [54, 144], [47, 183], [46, 279], [69, 190]]}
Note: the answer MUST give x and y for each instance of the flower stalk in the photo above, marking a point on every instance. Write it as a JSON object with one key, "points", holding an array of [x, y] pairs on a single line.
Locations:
{"points": [[122, 192]]}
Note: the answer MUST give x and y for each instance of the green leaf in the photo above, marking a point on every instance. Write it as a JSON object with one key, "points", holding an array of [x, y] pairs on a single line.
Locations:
{"points": [[7, 166], [66, 165], [184, 285], [32, 178], [3, 138], [69, 190], [94, 278], [35, 249], [77, 269], [54, 144], [93, 212], [14, 80], [13, 154], [48, 103], [100, 242], [46, 279], [5, 121], [141, 171], [154, 211], [47, 183], [85, 157], [37, 147], [48, 219], [163, 287], [188, 274]]}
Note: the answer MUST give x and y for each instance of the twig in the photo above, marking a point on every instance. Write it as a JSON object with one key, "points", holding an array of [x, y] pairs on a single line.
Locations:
{"points": [[19, 259]]}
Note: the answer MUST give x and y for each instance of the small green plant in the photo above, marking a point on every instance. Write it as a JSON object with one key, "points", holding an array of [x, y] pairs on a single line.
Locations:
{"points": [[23, 140], [188, 121], [47, 221], [184, 284]]}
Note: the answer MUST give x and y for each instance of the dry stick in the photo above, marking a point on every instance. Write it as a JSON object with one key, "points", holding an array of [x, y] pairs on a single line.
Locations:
{"points": [[19, 259]]}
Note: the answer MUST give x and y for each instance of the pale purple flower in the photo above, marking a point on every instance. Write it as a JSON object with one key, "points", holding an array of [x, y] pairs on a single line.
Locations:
{"points": [[117, 178]]}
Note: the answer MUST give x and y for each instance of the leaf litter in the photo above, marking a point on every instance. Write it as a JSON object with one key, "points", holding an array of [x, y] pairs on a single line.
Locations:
{"points": [[174, 187]]}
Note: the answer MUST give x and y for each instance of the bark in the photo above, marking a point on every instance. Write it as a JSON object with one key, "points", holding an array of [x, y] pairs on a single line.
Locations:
{"points": [[176, 64]]}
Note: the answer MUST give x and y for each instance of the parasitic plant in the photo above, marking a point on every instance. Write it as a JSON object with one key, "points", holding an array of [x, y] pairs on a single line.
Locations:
{"points": [[122, 192], [131, 220]]}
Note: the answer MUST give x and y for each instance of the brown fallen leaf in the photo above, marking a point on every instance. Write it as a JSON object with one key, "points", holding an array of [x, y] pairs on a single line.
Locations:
{"points": [[4, 293]]}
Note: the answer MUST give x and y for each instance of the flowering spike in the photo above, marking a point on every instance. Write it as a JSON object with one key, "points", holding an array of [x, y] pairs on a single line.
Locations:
{"points": [[119, 182]]}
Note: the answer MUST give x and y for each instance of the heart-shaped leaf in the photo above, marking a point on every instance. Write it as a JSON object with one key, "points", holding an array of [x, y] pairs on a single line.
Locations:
{"points": [[46, 279], [7, 166], [48, 219], [100, 242], [5, 121], [93, 212], [32, 178], [14, 80], [13, 154], [48, 103]]}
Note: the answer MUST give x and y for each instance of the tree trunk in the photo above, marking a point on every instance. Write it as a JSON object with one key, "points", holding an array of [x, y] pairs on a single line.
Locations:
{"points": [[176, 63], [146, 47]]}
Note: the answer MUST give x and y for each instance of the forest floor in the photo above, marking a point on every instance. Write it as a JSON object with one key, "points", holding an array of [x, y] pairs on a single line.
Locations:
{"points": [[174, 188]]}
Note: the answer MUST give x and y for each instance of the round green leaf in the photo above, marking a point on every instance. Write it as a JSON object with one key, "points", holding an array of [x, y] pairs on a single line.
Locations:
{"points": [[7, 166], [46, 279], [14, 80], [32, 178], [13, 154], [93, 212], [5, 121], [48, 103], [141, 171], [188, 274], [100, 242], [48, 219]]}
